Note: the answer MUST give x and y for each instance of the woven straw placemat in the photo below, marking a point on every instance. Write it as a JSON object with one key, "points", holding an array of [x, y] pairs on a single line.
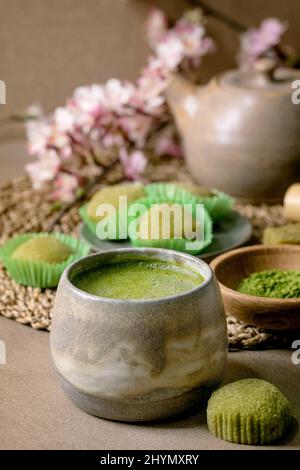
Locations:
{"points": [[23, 209]]}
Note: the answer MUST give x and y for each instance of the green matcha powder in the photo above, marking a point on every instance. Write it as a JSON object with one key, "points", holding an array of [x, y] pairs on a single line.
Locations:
{"points": [[273, 283]]}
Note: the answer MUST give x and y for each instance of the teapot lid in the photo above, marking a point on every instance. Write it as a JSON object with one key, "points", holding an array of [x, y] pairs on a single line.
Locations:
{"points": [[276, 81]]}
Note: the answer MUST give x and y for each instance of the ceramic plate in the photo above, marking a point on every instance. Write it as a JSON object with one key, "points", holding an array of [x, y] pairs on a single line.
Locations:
{"points": [[229, 233]]}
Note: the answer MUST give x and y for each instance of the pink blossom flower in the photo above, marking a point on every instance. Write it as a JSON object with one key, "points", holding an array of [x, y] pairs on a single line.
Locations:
{"points": [[167, 146], [258, 41], [116, 116], [136, 127], [112, 139], [186, 40], [271, 30], [170, 51], [63, 120], [86, 105], [118, 94], [196, 44], [151, 86], [156, 26], [44, 169], [44, 134], [38, 134], [61, 142], [133, 163], [191, 36], [88, 99], [66, 152], [207, 46], [65, 185]]}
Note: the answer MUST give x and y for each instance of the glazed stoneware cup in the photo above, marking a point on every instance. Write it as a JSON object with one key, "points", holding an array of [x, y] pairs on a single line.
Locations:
{"points": [[138, 360]]}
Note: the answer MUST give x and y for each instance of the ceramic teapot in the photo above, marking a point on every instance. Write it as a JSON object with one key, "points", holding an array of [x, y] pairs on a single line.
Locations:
{"points": [[241, 132]]}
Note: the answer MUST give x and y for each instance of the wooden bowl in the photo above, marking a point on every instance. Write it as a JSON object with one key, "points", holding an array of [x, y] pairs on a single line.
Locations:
{"points": [[265, 312]]}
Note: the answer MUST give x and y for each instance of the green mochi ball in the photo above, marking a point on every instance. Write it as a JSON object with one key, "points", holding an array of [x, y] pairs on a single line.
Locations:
{"points": [[46, 249], [249, 411], [167, 222], [111, 195]]}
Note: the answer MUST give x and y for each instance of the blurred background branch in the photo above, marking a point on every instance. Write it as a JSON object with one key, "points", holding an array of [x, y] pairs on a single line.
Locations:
{"points": [[218, 15]]}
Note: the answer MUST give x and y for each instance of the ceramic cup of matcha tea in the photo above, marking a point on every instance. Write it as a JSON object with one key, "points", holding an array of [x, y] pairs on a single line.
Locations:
{"points": [[138, 334]]}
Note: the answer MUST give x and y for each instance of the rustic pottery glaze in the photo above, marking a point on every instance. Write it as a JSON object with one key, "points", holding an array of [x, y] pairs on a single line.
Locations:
{"points": [[240, 132], [236, 265], [138, 360]]}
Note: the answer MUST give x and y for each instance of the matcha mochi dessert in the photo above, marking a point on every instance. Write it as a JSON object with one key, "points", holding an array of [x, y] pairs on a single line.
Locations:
{"points": [[286, 234], [38, 259], [111, 195], [169, 225], [161, 220], [249, 411], [47, 249]]}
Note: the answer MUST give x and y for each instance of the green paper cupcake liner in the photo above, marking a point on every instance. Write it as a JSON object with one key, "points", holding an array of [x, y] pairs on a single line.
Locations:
{"points": [[174, 244], [169, 192], [217, 205], [39, 273]]}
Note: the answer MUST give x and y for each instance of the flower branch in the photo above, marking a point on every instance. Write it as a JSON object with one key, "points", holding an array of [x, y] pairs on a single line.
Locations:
{"points": [[102, 125], [218, 15]]}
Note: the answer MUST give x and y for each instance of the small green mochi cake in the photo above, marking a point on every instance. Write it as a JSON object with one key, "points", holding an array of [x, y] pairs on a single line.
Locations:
{"points": [[286, 234], [161, 221], [249, 411], [111, 195], [46, 249]]}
